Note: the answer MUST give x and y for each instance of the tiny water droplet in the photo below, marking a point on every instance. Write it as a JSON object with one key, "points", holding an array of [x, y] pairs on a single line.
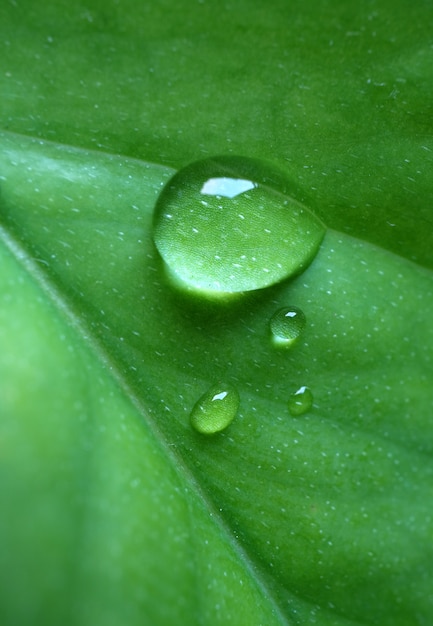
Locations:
{"points": [[301, 401], [216, 409], [229, 225], [287, 325]]}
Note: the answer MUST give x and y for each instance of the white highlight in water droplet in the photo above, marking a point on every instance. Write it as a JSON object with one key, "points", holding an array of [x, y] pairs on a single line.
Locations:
{"points": [[226, 187]]}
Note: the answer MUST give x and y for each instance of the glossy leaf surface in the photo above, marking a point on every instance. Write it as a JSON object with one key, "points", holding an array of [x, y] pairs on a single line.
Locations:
{"points": [[117, 511]]}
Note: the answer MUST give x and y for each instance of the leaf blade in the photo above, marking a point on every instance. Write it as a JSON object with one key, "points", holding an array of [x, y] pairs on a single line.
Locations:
{"points": [[350, 300]]}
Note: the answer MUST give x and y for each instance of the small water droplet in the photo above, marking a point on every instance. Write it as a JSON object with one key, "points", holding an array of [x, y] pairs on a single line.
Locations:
{"points": [[216, 409], [287, 325], [301, 401], [229, 225]]}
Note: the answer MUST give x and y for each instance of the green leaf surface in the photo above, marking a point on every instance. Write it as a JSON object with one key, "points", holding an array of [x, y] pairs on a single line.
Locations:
{"points": [[318, 504], [338, 94], [116, 510]]}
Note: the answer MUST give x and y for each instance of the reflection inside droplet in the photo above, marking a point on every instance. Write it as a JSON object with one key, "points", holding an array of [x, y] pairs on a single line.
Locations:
{"points": [[300, 401], [226, 187]]}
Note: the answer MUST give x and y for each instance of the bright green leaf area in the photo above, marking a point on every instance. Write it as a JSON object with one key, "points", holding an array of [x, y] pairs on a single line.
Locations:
{"points": [[324, 518], [338, 94], [114, 511]]}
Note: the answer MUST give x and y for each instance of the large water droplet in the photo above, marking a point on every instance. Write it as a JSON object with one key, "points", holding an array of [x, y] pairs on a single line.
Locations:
{"points": [[229, 225], [287, 325], [216, 409], [301, 401]]}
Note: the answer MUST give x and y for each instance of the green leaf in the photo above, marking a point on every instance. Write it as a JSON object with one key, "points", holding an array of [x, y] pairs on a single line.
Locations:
{"points": [[104, 519], [339, 95], [337, 531], [116, 510]]}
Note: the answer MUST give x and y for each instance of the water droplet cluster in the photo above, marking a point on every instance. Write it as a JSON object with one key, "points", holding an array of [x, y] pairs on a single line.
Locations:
{"points": [[217, 408], [229, 225]]}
